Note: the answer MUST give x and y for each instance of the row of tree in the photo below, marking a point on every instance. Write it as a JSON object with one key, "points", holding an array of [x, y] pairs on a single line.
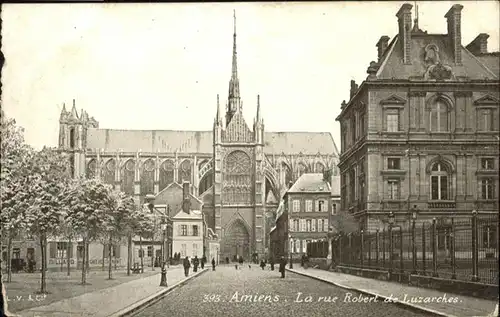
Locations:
{"points": [[40, 197]]}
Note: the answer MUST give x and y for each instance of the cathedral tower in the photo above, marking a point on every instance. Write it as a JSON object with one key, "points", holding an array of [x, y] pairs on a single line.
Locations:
{"points": [[238, 176], [72, 137]]}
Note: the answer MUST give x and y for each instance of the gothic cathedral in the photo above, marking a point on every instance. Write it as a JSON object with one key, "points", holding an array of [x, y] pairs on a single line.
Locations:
{"points": [[239, 174]]}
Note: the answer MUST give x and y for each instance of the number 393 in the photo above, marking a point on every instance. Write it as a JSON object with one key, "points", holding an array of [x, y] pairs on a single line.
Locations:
{"points": [[208, 298]]}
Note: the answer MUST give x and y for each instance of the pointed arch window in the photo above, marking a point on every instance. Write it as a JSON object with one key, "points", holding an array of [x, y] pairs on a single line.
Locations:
{"points": [[237, 178], [72, 138], [439, 117], [166, 174], [185, 171], [147, 177], [128, 175], [302, 169], [440, 182], [91, 169], [108, 172], [320, 168]]}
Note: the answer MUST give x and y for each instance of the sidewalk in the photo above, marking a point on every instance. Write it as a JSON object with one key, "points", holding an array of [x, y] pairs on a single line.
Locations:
{"points": [[465, 307], [114, 300]]}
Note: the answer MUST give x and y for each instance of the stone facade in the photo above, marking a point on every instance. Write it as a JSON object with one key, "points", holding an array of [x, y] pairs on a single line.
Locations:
{"points": [[421, 132], [234, 170]]}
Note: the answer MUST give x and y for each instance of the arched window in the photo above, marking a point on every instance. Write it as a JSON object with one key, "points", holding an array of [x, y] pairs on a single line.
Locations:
{"points": [[439, 182], [72, 136], [128, 175], [185, 172], [166, 174], [108, 172], [147, 177], [439, 117], [91, 169], [237, 178]]}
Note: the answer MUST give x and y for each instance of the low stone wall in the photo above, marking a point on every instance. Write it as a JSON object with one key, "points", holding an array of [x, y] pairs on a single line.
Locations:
{"points": [[370, 273], [486, 291]]}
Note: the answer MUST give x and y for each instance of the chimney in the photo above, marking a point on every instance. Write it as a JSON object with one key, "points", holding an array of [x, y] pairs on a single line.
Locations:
{"points": [[479, 45], [186, 200], [354, 88], [404, 22], [382, 45], [454, 31]]}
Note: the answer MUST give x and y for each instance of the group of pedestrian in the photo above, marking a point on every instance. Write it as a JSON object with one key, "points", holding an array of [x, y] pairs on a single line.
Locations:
{"points": [[195, 262]]}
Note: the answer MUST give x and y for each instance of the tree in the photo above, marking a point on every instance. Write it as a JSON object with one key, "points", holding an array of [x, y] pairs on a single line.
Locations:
{"points": [[117, 221], [48, 189], [142, 224], [344, 223], [87, 201], [14, 181]]}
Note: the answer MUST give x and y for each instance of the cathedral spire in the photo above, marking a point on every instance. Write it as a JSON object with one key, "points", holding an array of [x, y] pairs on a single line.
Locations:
{"points": [[234, 103], [258, 109]]}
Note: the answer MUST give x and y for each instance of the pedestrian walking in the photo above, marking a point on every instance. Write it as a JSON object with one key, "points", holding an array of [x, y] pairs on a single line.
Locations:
{"points": [[186, 265], [196, 262], [241, 260], [262, 264], [282, 266], [227, 260], [202, 262], [213, 264], [271, 261]]}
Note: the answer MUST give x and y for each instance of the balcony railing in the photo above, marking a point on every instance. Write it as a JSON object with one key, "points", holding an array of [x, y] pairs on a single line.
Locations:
{"points": [[441, 205]]}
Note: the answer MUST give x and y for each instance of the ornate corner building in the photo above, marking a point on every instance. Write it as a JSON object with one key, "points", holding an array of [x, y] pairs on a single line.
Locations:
{"points": [[238, 173], [421, 132]]}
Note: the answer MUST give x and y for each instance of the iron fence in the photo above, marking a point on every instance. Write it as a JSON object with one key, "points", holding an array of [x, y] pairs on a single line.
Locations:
{"points": [[464, 249], [318, 249]]}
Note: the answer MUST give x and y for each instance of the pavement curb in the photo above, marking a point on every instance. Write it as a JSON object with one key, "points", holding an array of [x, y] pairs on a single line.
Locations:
{"points": [[414, 306], [148, 301]]}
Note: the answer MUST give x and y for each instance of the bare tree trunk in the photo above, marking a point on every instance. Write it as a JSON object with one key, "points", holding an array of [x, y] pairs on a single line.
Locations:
{"points": [[9, 258], [62, 261], [43, 248], [142, 255], [68, 256], [84, 253], [115, 258], [129, 254], [87, 257], [110, 255], [152, 256], [103, 254]]}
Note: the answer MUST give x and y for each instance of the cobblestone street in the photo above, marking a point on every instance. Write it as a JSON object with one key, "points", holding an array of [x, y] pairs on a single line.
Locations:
{"points": [[254, 292]]}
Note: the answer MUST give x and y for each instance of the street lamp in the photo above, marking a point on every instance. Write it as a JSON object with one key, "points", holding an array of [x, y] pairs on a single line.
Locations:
{"points": [[414, 239], [163, 281], [290, 249], [391, 243]]}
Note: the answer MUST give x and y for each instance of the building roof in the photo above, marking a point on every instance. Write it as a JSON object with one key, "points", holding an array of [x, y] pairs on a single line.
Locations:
{"points": [[310, 182], [492, 61], [393, 67], [193, 215], [150, 141]]}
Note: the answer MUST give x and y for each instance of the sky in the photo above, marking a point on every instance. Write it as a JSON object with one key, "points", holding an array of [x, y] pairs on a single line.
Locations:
{"points": [[161, 66]]}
